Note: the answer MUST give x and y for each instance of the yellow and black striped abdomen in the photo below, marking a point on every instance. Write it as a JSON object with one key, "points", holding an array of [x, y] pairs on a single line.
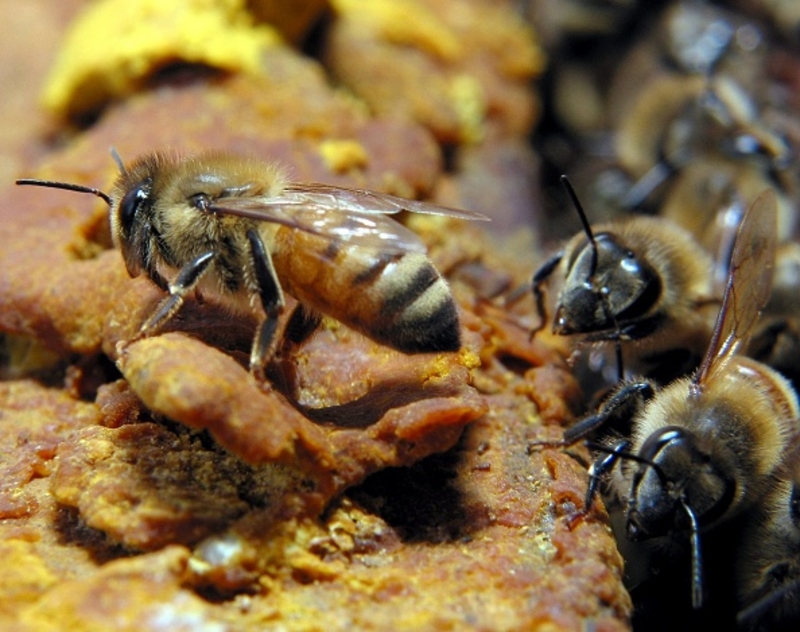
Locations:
{"points": [[397, 299]]}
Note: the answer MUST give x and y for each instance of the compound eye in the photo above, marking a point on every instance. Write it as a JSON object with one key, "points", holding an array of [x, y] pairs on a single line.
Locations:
{"points": [[200, 201], [130, 204]]}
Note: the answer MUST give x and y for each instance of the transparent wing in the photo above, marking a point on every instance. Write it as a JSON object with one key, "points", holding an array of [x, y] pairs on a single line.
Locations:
{"points": [[340, 213], [363, 229], [363, 201], [748, 287], [727, 221]]}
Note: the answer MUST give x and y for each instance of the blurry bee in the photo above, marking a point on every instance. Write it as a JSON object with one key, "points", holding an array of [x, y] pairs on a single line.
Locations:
{"points": [[677, 120], [706, 201], [234, 229], [706, 447], [776, 341], [699, 38], [784, 15], [642, 281], [768, 556], [709, 201]]}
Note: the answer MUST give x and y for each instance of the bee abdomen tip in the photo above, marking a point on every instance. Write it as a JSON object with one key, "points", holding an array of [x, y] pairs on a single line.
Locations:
{"points": [[439, 331]]}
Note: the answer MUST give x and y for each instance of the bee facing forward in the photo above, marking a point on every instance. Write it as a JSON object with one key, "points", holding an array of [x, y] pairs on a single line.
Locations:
{"points": [[706, 447], [642, 282], [234, 229]]}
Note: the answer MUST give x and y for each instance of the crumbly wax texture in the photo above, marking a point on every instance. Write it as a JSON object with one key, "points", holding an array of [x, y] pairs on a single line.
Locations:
{"points": [[154, 485]]}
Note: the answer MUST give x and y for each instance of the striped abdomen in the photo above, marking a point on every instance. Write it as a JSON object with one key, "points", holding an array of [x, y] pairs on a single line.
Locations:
{"points": [[397, 299]]}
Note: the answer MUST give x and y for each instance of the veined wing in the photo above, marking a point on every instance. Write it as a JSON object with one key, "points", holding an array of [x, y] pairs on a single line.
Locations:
{"points": [[366, 230], [364, 201], [356, 216], [748, 287]]}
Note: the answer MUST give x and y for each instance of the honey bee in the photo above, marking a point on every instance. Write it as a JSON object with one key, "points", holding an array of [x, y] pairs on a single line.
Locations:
{"points": [[234, 229], [642, 280], [706, 447], [678, 120]]}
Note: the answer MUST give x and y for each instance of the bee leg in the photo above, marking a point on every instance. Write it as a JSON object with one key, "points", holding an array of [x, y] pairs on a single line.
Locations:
{"points": [[184, 283], [597, 471], [615, 406], [748, 617], [302, 323], [271, 295], [539, 279], [633, 393], [649, 182]]}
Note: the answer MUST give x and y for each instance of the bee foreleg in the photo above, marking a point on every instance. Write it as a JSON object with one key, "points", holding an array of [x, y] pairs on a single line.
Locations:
{"points": [[630, 394], [649, 182], [271, 295], [597, 470], [184, 283], [633, 392], [539, 279]]}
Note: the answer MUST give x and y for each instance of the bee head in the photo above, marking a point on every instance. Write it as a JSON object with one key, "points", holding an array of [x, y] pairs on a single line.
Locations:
{"points": [[127, 214], [607, 285], [674, 472], [130, 204], [134, 196]]}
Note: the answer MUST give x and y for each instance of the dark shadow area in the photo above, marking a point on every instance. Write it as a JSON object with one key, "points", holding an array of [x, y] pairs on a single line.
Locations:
{"points": [[369, 409], [419, 501], [73, 531], [662, 599], [87, 374], [180, 73]]}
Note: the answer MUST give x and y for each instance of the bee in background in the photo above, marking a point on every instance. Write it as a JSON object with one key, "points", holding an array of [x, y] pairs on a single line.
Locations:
{"points": [[235, 230], [768, 556], [709, 200], [776, 341], [698, 38], [642, 282], [695, 90], [706, 447], [783, 14], [678, 121]]}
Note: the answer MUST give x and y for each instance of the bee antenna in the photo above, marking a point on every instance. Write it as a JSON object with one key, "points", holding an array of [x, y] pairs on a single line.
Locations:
{"points": [[630, 456], [115, 155], [697, 562], [584, 221], [593, 266], [65, 185]]}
